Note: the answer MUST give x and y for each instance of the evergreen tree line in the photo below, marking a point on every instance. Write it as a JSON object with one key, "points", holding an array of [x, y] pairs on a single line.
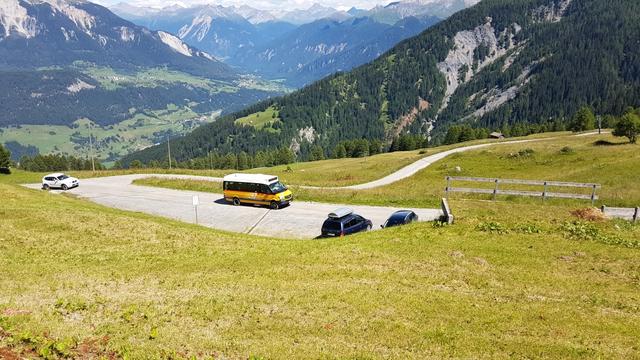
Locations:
{"points": [[240, 161], [584, 119], [57, 162]]}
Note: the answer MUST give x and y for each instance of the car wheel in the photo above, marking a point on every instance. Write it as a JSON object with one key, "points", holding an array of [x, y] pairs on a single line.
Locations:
{"points": [[369, 227], [65, 187], [45, 187], [273, 205], [236, 201]]}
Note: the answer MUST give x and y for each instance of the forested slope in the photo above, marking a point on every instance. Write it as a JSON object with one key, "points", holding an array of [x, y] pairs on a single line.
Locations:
{"points": [[501, 62]]}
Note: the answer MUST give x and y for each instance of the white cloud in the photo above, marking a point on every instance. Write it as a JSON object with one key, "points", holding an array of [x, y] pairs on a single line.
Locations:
{"points": [[283, 5]]}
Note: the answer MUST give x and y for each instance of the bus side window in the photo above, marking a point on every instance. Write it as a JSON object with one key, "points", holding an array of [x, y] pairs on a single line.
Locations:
{"points": [[264, 189], [245, 187]]}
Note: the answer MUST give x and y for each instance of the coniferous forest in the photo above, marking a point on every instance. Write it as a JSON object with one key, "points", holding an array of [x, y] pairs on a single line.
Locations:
{"points": [[550, 59]]}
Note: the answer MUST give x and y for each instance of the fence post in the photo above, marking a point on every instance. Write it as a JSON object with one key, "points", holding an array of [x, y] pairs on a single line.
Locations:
{"points": [[446, 190], [544, 193], [495, 190], [446, 210], [636, 214], [593, 195]]}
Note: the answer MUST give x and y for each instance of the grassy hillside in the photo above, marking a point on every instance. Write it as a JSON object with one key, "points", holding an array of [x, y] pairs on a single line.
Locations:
{"points": [[601, 159], [494, 285]]}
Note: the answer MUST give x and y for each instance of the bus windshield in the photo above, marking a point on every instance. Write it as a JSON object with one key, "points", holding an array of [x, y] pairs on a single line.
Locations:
{"points": [[277, 187]]}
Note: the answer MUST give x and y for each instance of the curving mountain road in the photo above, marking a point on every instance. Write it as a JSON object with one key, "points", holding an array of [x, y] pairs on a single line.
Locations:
{"points": [[300, 220], [426, 161]]}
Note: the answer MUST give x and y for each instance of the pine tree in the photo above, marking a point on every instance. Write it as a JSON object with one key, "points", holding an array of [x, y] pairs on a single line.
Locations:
{"points": [[317, 153], [230, 161], [5, 157], [136, 164], [628, 126], [243, 161], [453, 135], [285, 156], [583, 120]]}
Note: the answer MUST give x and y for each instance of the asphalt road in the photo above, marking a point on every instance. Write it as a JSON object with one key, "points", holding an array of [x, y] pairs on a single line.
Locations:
{"points": [[299, 220], [426, 161]]}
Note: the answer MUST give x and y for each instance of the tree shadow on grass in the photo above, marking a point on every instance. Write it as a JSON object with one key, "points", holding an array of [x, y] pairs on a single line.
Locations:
{"points": [[609, 143]]}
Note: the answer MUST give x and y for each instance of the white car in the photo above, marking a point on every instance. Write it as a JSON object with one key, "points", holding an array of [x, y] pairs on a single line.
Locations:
{"points": [[59, 181]]}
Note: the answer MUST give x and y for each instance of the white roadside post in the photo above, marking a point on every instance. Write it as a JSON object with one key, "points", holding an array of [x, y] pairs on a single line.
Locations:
{"points": [[196, 202]]}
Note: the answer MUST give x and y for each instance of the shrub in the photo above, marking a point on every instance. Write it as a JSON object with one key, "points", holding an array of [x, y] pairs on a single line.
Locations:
{"points": [[583, 120], [525, 153], [528, 229], [492, 227], [583, 231], [567, 151], [628, 126]]}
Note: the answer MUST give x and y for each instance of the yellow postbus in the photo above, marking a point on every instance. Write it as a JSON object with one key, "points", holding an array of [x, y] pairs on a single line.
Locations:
{"points": [[256, 189]]}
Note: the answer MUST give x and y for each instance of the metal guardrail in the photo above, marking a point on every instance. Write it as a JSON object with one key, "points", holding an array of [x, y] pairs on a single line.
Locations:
{"points": [[545, 193], [632, 214]]}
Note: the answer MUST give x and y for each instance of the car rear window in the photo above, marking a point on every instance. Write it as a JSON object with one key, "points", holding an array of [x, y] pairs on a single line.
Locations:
{"points": [[395, 221], [332, 225]]}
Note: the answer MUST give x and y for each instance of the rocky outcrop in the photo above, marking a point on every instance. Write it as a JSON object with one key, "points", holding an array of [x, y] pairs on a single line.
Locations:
{"points": [[307, 134], [553, 12], [462, 62]]}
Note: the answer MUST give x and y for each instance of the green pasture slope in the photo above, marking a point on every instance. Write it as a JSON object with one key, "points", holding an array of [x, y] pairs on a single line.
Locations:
{"points": [[144, 128], [601, 159], [511, 279], [108, 142]]}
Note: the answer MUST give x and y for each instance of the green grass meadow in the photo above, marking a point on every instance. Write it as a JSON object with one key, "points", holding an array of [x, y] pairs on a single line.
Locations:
{"points": [[510, 279], [569, 158]]}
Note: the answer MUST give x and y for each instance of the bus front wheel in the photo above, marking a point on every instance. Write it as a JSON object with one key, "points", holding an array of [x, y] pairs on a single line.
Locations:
{"points": [[274, 205], [236, 201]]}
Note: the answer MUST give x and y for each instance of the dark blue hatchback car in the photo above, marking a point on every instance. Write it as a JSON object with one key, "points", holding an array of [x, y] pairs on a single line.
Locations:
{"points": [[344, 222], [401, 217]]}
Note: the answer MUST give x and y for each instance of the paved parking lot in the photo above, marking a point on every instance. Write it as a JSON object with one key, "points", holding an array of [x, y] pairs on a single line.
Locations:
{"points": [[300, 220]]}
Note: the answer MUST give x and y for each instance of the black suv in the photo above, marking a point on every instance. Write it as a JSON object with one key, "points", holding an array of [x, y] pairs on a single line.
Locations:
{"points": [[344, 222]]}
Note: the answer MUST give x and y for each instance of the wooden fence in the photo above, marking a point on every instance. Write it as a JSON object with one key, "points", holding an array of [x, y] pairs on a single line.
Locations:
{"points": [[632, 214], [544, 193]]}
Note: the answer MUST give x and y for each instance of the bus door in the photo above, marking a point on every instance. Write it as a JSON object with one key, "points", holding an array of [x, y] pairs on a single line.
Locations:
{"points": [[263, 194]]}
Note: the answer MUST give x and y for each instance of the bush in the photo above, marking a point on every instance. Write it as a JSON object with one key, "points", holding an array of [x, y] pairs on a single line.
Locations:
{"points": [[567, 151], [583, 120], [492, 227], [521, 154], [528, 229], [584, 231], [629, 127]]}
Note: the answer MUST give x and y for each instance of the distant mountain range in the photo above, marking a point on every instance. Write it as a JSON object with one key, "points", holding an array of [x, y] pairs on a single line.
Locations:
{"points": [[65, 60], [298, 46], [500, 63]]}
